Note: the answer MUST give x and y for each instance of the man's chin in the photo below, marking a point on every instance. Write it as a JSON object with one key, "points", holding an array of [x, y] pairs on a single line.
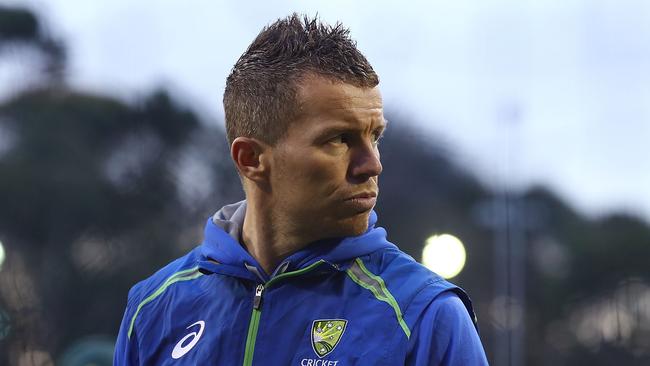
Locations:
{"points": [[355, 226], [337, 227]]}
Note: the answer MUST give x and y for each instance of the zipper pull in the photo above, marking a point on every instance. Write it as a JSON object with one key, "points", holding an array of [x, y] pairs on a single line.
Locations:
{"points": [[257, 301]]}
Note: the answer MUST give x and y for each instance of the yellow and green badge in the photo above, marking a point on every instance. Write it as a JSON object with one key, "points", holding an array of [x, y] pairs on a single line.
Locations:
{"points": [[326, 334]]}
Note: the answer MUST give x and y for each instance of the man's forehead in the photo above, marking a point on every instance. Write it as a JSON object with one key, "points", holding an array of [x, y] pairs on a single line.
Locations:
{"points": [[320, 95]]}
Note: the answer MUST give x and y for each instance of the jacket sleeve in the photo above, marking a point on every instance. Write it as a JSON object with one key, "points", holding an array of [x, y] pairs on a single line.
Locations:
{"points": [[445, 336], [126, 347]]}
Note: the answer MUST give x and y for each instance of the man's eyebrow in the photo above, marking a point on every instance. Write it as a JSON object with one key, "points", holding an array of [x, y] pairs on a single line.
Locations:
{"points": [[349, 128], [330, 130]]}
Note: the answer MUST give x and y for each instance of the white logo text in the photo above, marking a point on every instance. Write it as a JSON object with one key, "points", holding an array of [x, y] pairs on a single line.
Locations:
{"points": [[317, 362]]}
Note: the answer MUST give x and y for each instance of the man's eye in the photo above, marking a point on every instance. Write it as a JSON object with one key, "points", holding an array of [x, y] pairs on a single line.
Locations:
{"points": [[340, 139], [376, 137]]}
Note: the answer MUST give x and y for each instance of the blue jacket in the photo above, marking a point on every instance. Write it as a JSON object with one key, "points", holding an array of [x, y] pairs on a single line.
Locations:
{"points": [[355, 301]]}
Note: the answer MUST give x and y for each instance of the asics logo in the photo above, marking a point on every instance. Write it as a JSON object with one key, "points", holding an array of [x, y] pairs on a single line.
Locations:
{"points": [[180, 349]]}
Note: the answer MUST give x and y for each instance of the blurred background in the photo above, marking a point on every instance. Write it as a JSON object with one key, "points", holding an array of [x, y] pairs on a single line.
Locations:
{"points": [[518, 146]]}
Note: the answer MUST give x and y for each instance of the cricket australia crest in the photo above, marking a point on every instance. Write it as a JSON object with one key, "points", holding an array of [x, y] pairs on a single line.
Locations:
{"points": [[326, 334]]}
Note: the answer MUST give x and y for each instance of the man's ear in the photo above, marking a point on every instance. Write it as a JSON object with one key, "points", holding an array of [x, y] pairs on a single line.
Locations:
{"points": [[248, 155]]}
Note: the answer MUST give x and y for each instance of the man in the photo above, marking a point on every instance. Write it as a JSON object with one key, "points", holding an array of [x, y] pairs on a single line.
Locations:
{"points": [[298, 273]]}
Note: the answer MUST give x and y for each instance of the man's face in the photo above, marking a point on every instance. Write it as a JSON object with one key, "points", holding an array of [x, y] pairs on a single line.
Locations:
{"points": [[325, 169]]}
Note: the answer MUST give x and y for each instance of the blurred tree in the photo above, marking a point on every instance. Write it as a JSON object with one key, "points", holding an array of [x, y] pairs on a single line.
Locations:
{"points": [[20, 29], [582, 307], [86, 181], [18, 24]]}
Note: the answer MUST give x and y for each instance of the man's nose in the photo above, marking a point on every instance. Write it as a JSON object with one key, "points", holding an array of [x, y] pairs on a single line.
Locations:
{"points": [[365, 163]]}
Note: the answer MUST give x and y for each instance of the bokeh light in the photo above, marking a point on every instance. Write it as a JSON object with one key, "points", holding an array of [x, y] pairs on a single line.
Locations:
{"points": [[444, 254], [2, 254]]}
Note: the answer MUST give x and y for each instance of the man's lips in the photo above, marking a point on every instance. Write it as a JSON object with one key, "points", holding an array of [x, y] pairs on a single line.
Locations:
{"points": [[369, 194], [362, 202]]}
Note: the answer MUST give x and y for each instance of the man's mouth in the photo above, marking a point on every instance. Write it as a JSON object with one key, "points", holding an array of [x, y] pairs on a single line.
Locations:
{"points": [[363, 201]]}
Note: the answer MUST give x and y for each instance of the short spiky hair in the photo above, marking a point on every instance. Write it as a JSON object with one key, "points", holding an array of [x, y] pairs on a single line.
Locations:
{"points": [[260, 97]]}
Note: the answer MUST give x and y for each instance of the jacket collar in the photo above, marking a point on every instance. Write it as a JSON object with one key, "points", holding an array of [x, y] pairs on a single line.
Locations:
{"points": [[222, 253]]}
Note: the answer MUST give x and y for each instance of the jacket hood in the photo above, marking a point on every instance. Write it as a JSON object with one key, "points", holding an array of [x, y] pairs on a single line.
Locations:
{"points": [[221, 251]]}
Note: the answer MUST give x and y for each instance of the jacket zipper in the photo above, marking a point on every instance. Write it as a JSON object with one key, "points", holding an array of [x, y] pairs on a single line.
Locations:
{"points": [[257, 309], [253, 326]]}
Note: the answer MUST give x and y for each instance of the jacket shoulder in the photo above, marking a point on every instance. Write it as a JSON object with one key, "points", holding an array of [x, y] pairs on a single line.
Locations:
{"points": [[404, 277], [178, 268], [412, 285], [143, 293]]}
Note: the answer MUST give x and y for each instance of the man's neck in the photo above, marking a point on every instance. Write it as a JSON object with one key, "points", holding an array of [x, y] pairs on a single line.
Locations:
{"points": [[266, 238]]}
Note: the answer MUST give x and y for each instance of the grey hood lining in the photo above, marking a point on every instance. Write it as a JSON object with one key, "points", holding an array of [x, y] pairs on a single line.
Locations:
{"points": [[231, 219]]}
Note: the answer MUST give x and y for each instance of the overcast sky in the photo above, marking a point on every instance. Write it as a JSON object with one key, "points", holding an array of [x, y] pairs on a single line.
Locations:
{"points": [[548, 92]]}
